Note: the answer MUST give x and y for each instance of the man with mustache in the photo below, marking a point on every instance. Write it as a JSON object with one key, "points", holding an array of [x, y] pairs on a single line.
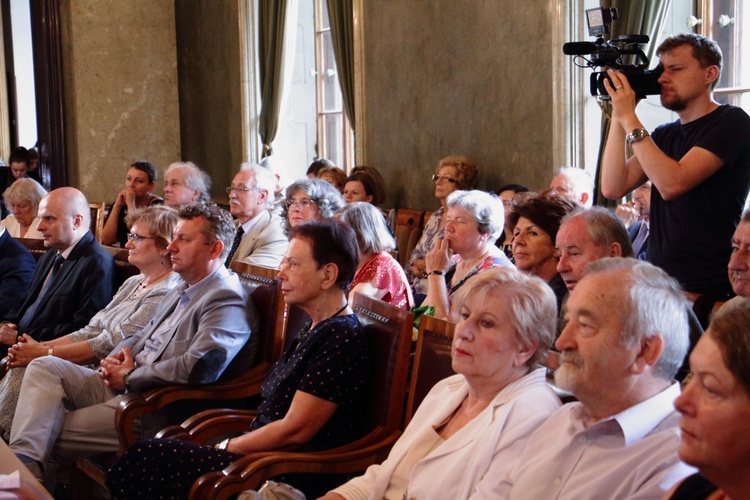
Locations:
{"points": [[699, 166], [626, 336]]}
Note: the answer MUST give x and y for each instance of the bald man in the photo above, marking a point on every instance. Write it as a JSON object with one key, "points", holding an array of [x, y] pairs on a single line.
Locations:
{"points": [[73, 279]]}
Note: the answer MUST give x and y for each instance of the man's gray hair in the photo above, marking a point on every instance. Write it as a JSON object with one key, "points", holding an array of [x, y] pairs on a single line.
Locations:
{"points": [[655, 305], [604, 228], [196, 179], [264, 179], [487, 209], [369, 225], [579, 177]]}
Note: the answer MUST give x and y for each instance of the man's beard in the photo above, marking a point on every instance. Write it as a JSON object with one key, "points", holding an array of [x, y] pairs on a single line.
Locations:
{"points": [[675, 104], [570, 365]]}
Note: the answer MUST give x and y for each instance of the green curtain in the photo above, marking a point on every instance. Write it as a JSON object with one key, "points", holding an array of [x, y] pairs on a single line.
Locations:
{"points": [[271, 20], [341, 16], [635, 17]]}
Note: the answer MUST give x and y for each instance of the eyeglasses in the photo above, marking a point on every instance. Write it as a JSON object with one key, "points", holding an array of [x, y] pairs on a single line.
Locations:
{"points": [[301, 204], [242, 189], [138, 238], [436, 177]]}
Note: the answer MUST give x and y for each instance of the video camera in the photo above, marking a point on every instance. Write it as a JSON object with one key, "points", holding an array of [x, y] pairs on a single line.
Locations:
{"points": [[624, 54]]}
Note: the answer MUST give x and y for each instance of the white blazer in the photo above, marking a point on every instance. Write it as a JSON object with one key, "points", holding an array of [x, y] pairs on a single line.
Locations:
{"points": [[470, 462]]}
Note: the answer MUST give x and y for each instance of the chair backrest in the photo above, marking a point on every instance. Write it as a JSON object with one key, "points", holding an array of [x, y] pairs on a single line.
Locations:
{"points": [[97, 219], [432, 360], [264, 289], [123, 268], [36, 247], [407, 222], [389, 329]]}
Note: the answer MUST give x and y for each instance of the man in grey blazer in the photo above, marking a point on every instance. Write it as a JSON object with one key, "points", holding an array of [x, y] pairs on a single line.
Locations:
{"points": [[260, 238], [66, 412]]}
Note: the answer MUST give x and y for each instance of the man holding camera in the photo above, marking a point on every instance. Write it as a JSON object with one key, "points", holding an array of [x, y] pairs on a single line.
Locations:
{"points": [[699, 165]]}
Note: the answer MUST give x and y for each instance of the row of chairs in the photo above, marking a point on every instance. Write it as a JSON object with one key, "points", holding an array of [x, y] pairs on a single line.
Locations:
{"points": [[392, 401], [407, 226]]}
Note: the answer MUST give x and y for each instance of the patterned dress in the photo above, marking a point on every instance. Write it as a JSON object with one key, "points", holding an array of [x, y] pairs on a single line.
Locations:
{"points": [[385, 273], [331, 361], [431, 234], [126, 315]]}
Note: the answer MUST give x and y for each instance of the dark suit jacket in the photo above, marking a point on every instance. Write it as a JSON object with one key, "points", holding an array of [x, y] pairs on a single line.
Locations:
{"points": [[81, 288], [16, 269], [633, 232]]}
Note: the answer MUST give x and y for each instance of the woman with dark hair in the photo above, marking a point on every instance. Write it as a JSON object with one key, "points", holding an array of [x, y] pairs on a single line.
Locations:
{"points": [[333, 176], [311, 397], [361, 187], [316, 166], [453, 173], [310, 199], [139, 181], [507, 193], [535, 221], [129, 312], [715, 407]]}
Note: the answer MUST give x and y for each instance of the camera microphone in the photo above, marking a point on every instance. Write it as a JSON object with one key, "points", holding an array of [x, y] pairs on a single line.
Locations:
{"points": [[579, 48]]}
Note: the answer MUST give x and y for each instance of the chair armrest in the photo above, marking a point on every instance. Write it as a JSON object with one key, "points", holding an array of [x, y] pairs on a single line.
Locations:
{"points": [[251, 471], [206, 425], [134, 405]]}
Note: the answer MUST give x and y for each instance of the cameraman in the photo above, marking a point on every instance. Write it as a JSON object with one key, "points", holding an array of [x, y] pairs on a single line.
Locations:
{"points": [[699, 166]]}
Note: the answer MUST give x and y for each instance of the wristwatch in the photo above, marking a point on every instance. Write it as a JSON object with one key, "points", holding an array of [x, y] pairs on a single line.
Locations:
{"points": [[637, 135], [126, 378]]}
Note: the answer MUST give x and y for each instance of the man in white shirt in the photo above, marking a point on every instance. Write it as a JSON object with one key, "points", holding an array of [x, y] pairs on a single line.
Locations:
{"points": [[259, 239], [626, 336], [575, 184]]}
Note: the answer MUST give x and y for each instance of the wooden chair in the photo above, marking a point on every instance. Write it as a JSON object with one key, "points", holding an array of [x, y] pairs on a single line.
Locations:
{"points": [[265, 291], [97, 219], [390, 330], [432, 360], [407, 230], [36, 247]]}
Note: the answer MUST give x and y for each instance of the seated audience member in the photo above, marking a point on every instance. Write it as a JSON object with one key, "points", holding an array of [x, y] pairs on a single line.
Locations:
{"points": [[139, 181], [739, 262], [626, 336], [635, 216], [507, 193], [310, 199], [34, 164], [333, 176], [380, 191], [715, 408], [16, 270], [66, 412], [473, 219], [361, 187], [471, 427], [574, 184], [278, 169], [19, 165], [128, 314], [535, 221], [22, 199], [587, 236], [378, 275], [184, 184], [453, 173], [316, 166], [260, 239], [73, 279], [311, 397]]}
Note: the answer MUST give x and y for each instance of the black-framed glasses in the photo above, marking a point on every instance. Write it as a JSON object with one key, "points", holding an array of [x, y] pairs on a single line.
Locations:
{"points": [[241, 189], [436, 177], [137, 238], [301, 204]]}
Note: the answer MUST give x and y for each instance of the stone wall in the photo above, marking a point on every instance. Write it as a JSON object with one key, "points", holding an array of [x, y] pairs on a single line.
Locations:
{"points": [[120, 78]]}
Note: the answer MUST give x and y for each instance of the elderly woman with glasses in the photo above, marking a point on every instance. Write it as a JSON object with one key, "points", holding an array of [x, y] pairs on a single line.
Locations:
{"points": [[473, 219], [453, 173], [129, 312], [22, 199], [310, 199]]}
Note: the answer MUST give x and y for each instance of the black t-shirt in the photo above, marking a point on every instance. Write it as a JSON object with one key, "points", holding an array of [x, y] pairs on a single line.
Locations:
{"points": [[691, 236]]}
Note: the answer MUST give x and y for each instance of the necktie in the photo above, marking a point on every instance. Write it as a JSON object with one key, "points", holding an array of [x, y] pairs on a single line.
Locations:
{"points": [[30, 314], [235, 244], [640, 239]]}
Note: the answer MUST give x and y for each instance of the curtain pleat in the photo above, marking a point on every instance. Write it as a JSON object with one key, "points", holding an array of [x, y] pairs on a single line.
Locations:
{"points": [[271, 20], [340, 14]]}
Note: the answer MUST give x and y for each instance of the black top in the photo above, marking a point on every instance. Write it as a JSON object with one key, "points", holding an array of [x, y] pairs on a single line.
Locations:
{"points": [[695, 487], [332, 362], [122, 228]]}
